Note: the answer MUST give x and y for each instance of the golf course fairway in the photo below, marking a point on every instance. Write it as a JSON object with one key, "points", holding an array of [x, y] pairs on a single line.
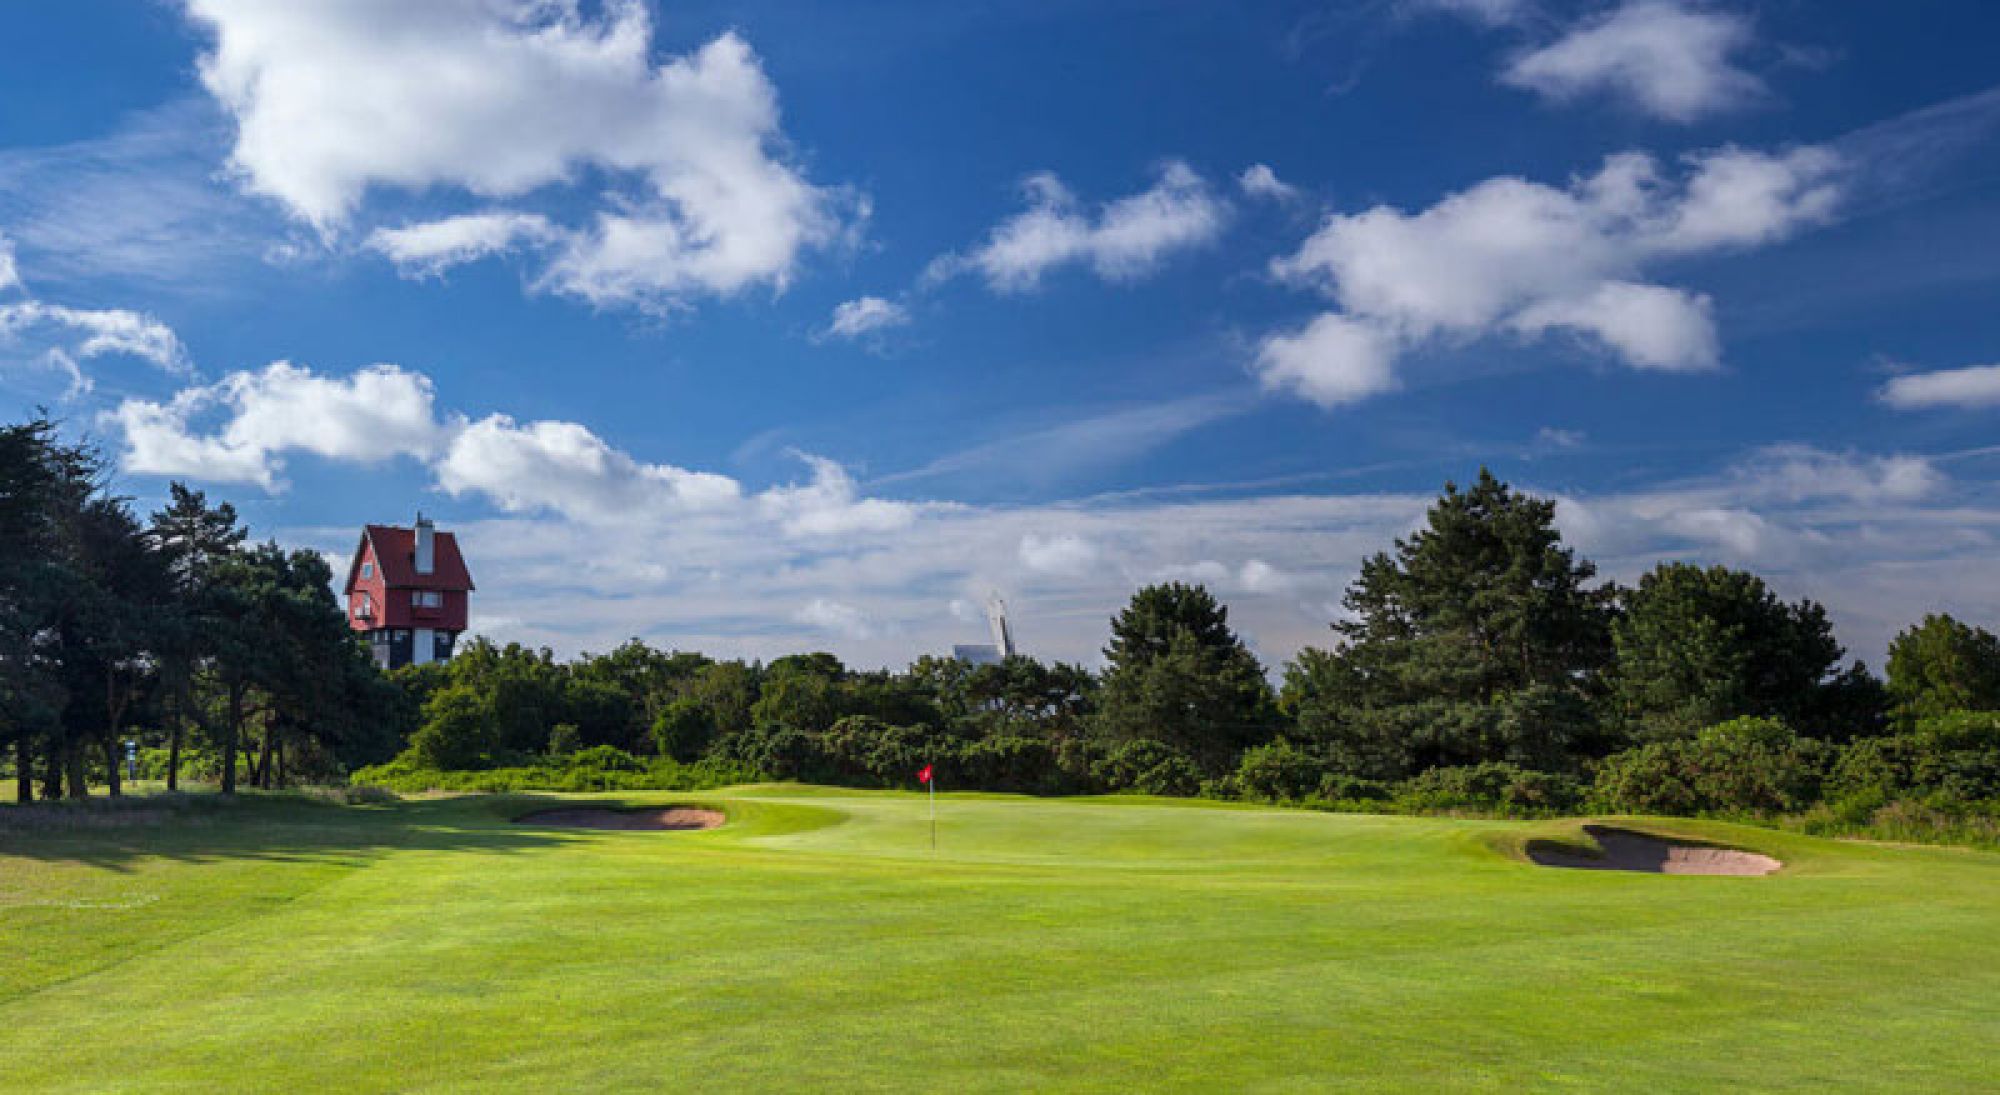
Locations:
{"points": [[816, 942]]}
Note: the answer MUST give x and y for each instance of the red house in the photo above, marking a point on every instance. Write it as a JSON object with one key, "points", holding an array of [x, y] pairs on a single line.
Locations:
{"points": [[408, 589]]}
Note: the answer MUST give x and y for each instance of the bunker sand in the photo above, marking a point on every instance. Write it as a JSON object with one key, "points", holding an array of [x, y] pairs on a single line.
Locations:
{"points": [[1625, 850], [670, 818]]}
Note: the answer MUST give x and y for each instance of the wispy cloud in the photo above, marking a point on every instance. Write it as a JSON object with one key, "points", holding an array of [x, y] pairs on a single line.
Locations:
{"points": [[141, 207], [1051, 454]]}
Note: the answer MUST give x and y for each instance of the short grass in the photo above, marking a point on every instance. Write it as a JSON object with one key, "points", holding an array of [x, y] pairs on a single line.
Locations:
{"points": [[816, 943]]}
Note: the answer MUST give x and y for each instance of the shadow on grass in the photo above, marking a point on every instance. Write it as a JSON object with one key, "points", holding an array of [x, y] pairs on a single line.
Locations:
{"points": [[280, 826]]}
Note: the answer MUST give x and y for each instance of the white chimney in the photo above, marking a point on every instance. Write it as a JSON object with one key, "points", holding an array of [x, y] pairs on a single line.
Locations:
{"points": [[426, 545]]}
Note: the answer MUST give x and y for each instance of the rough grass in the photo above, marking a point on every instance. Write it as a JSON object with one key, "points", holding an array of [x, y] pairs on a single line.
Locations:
{"points": [[815, 942]]}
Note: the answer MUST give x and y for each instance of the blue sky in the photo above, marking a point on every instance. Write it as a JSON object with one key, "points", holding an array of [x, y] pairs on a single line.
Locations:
{"points": [[770, 326]]}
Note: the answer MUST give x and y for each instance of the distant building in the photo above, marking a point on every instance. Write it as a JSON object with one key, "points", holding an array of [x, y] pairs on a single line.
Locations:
{"points": [[1002, 646], [408, 591]]}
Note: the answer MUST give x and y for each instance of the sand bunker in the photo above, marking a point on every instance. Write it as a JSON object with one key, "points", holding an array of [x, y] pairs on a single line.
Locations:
{"points": [[672, 817], [1624, 850]]}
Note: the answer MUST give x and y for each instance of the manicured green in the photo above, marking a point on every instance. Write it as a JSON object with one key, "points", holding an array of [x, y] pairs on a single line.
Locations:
{"points": [[816, 943]]}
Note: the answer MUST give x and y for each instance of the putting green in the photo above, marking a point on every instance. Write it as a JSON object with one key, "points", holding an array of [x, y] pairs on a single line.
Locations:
{"points": [[816, 942]]}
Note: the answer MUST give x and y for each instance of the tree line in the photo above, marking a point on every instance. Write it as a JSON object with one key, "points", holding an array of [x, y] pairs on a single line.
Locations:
{"points": [[1479, 663], [227, 657]]}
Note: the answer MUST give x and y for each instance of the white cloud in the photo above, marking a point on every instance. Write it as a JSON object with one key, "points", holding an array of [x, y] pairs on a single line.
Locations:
{"points": [[375, 414], [430, 248], [335, 99], [1065, 554], [564, 468], [101, 331], [10, 274], [866, 315], [830, 505], [1673, 59], [1977, 386], [1333, 360], [841, 619], [1513, 255], [1794, 474], [1259, 181], [1125, 240], [1650, 326]]}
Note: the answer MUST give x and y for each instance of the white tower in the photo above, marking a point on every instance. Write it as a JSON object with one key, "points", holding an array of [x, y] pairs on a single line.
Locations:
{"points": [[1003, 636]]}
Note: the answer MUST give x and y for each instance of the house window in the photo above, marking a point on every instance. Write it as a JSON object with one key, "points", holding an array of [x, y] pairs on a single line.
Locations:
{"points": [[368, 570], [427, 598]]}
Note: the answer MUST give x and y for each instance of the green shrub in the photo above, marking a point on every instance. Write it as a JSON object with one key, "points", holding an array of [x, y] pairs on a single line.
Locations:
{"points": [[1493, 787], [407, 774], [1149, 768], [1953, 756], [1744, 766], [564, 739], [1279, 772], [459, 730]]}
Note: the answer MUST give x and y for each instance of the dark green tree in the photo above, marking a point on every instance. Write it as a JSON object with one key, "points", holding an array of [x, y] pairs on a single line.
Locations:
{"points": [[1178, 675], [1943, 665], [1696, 647], [1475, 639]]}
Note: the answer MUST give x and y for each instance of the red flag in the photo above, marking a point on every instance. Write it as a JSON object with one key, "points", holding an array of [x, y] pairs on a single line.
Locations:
{"points": [[924, 775]]}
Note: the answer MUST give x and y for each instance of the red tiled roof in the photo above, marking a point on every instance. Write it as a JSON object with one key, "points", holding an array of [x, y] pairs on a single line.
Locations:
{"points": [[396, 552]]}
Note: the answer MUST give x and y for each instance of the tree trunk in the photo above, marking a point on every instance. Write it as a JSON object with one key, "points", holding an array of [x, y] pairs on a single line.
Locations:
{"points": [[280, 757], [24, 769], [52, 777], [228, 743], [174, 748], [111, 762], [79, 771], [264, 755], [116, 700]]}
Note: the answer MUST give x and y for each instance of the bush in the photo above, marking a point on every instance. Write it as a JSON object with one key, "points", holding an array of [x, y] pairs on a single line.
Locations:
{"points": [[1954, 756], [564, 739], [1493, 787], [406, 773], [684, 730], [459, 730], [1744, 766], [1279, 772], [1149, 768]]}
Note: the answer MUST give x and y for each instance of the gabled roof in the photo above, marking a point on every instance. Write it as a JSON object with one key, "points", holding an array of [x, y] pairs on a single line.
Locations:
{"points": [[396, 555]]}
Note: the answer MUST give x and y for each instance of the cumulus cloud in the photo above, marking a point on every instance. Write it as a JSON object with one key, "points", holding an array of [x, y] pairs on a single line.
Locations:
{"points": [[1974, 387], [430, 248], [830, 505], [1511, 255], [1333, 360], [866, 315], [1793, 474], [10, 274], [335, 99], [1064, 554], [1123, 241], [1674, 60], [564, 468], [534, 468], [377, 413], [1259, 181], [840, 619]]}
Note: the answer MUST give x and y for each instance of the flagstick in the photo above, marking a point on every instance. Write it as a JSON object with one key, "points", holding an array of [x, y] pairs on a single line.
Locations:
{"points": [[932, 784]]}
